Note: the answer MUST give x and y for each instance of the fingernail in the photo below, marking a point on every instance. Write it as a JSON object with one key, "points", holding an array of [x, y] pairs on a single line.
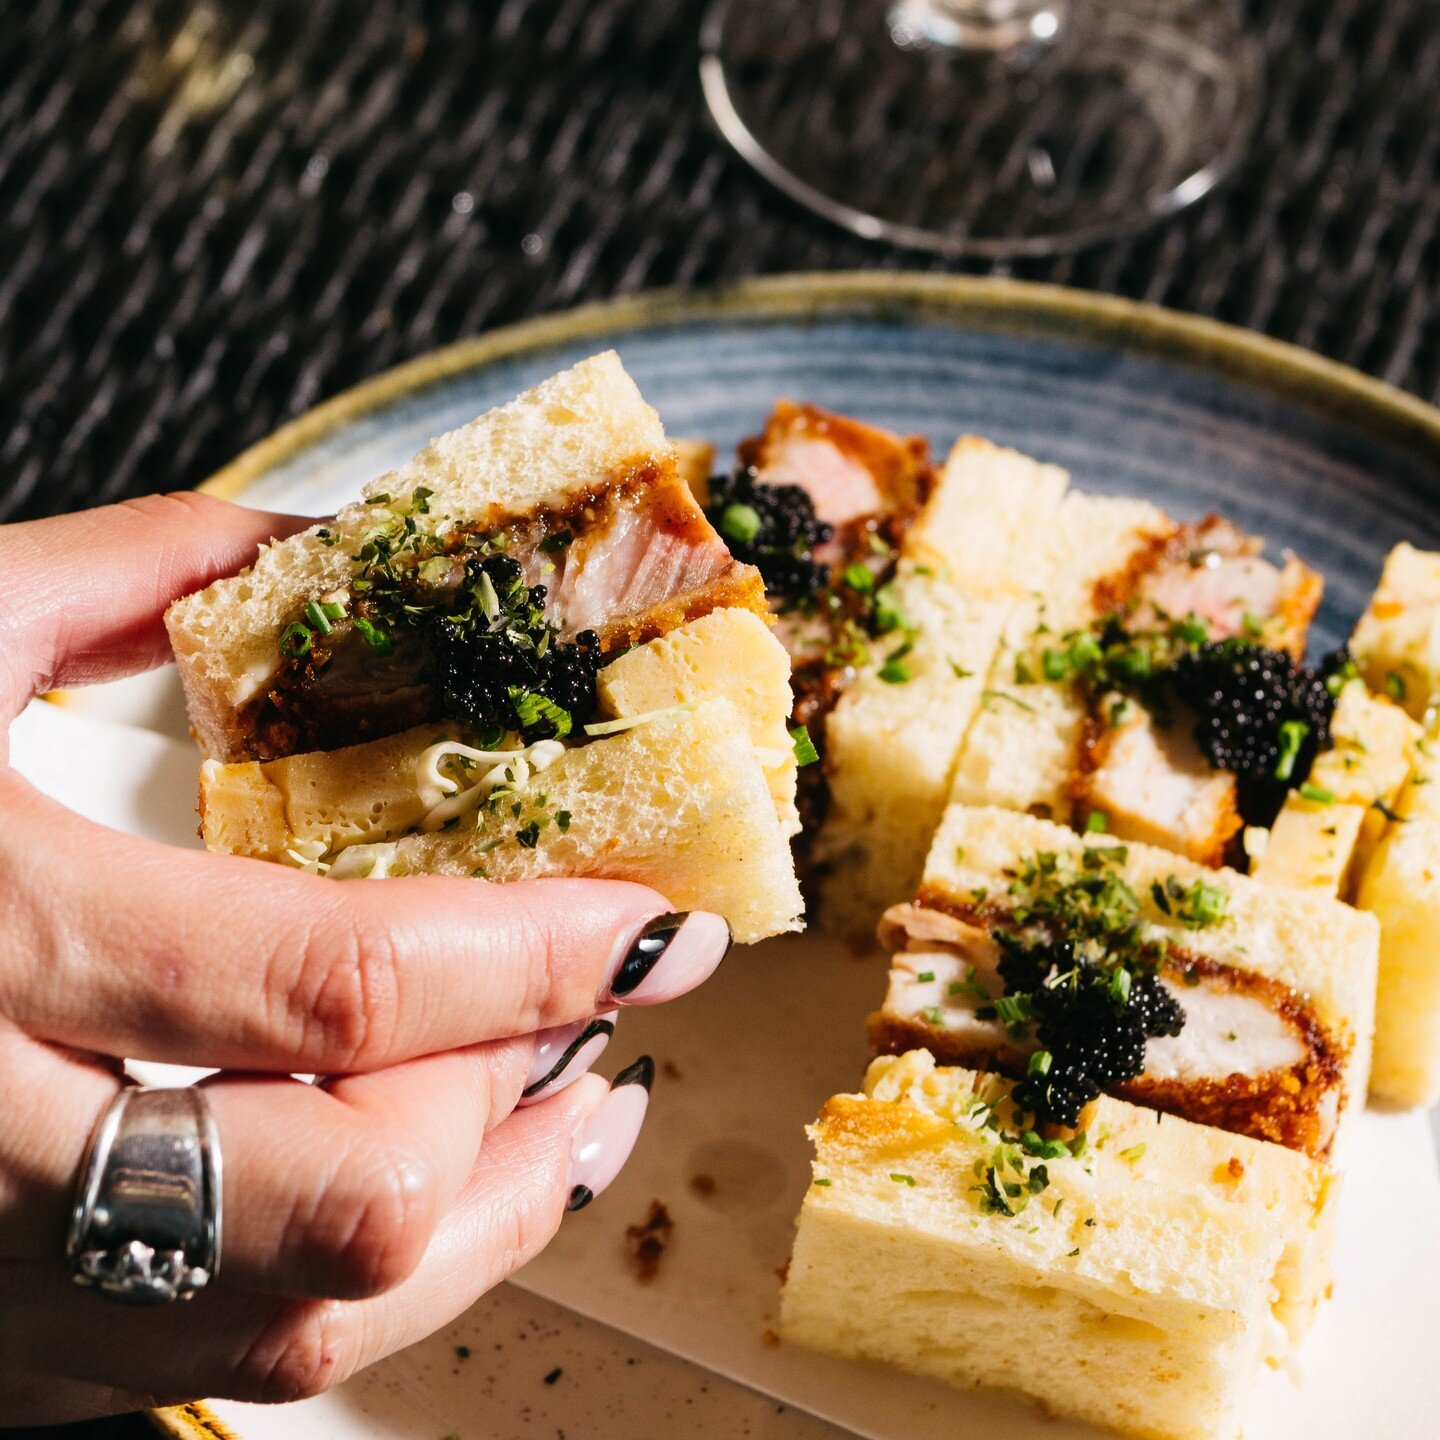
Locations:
{"points": [[605, 1141], [564, 1054], [672, 954]]}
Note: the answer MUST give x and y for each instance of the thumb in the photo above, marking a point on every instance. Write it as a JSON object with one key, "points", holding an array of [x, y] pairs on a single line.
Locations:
{"points": [[83, 597]]}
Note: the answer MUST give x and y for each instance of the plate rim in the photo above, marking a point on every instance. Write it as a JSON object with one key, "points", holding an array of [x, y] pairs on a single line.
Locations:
{"points": [[986, 303], [991, 304]]}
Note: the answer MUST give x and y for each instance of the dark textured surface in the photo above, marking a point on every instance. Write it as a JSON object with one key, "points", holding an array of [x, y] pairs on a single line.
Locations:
{"points": [[215, 212]]}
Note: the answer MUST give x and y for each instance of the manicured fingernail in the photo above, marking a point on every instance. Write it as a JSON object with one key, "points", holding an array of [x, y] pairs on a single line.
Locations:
{"points": [[564, 1054], [606, 1139], [672, 954]]}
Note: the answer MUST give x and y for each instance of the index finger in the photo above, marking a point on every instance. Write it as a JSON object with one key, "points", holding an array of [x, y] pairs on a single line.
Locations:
{"points": [[127, 947]]}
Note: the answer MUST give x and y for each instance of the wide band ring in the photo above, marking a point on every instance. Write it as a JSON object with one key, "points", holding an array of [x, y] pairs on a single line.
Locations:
{"points": [[145, 1228]]}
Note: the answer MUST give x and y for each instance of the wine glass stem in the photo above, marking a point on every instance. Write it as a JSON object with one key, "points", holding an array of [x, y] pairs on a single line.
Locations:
{"points": [[985, 25]]}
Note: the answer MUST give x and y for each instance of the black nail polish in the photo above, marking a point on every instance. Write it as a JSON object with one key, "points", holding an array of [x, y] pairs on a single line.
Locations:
{"points": [[594, 1028], [650, 945], [580, 1197], [640, 1072]]}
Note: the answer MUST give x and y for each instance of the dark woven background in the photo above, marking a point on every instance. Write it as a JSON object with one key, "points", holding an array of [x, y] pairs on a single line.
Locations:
{"points": [[215, 212]]}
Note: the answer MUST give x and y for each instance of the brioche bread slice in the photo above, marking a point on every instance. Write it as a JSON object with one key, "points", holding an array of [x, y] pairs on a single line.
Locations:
{"points": [[891, 740], [1293, 972], [1142, 1286], [1400, 886], [679, 802], [1023, 749], [982, 526], [890, 745], [561, 478], [1396, 643], [1328, 828]]}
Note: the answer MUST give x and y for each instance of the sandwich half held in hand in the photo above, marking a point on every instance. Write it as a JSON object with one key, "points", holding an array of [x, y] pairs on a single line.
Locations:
{"points": [[526, 652]]}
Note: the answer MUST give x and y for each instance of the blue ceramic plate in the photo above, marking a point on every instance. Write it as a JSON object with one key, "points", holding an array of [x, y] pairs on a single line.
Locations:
{"points": [[1131, 399]]}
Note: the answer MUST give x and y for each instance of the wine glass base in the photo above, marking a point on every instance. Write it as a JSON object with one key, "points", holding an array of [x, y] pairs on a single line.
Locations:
{"points": [[1107, 118]]}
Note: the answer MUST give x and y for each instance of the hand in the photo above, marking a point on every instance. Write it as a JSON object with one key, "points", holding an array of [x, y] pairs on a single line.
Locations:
{"points": [[360, 1213]]}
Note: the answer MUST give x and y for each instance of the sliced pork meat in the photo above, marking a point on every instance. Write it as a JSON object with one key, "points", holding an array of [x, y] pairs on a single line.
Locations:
{"points": [[1250, 1058], [1217, 573], [1152, 784], [642, 560], [855, 474]]}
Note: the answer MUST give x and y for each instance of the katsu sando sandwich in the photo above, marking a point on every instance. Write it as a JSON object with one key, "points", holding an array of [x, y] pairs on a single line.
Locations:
{"points": [[525, 652], [1148, 682], [1138, 1276], [820, 505], [1079, 965], [863, 544]]}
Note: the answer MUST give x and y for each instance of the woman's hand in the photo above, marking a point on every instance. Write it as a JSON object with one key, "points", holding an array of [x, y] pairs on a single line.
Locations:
{"points": [[361, 1213]]}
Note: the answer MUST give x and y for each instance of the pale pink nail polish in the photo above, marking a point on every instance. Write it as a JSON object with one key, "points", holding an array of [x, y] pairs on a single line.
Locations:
{"points": [[670, 956], [605, 1141], [564, 1054]]}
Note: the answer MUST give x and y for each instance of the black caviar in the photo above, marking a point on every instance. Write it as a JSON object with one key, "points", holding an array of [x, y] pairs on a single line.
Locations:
{"points": [[497, 662], [1091, 1021], [1259, 715], [772, 527]]}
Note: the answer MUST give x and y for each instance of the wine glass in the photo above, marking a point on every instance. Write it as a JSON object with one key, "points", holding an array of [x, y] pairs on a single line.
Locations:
{"points": [[992, 128]]}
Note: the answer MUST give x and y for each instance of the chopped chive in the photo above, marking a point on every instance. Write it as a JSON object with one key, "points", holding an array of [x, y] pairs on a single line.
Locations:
{"points": [[1292, 738], [1318, 794], [377, 639], [1097, 822], [988, 695], [1395, 686], [822, 1182], [317, 617], [1013, 1009], [1056, 664], [900, 1178], [925, 976], [805, 752], [333, 609], [741, 523], [295, 641], [1133, 1154], [859, 578], [895, 672]]}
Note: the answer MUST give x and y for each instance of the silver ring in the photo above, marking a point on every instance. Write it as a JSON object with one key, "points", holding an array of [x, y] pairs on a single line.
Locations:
{"points": [[145, 1227]]}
